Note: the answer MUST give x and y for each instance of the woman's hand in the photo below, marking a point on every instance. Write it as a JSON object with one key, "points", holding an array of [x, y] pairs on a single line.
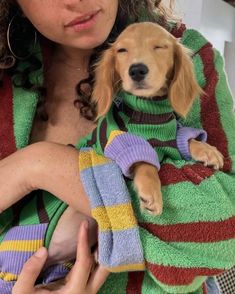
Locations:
{"points": [[48, 166], [82, 279]]}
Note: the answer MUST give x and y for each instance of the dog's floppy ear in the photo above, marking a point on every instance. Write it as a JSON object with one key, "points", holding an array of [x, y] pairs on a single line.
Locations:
{"points": [[103, 90], [184, 87]]}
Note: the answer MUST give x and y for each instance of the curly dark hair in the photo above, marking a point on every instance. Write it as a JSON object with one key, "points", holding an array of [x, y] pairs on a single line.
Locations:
{"points": [[128, 11]]}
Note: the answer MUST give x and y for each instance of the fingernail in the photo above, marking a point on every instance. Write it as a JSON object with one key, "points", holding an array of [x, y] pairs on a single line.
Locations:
{"points": [[40, 252]]}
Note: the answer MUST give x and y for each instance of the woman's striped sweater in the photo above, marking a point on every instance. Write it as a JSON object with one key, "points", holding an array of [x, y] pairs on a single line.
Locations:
{"points": [[193, 238]]}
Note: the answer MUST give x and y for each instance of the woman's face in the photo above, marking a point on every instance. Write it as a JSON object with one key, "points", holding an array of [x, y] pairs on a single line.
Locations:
{"points": [[82, 24]]}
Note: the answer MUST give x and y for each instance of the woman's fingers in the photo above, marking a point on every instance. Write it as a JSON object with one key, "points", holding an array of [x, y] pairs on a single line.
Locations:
{"points": [[97, 279], [30, 273], [91, 281], [80, 272]]}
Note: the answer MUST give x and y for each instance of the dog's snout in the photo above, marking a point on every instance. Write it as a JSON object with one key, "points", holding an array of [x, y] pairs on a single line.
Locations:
{"points": [[138, 72]]}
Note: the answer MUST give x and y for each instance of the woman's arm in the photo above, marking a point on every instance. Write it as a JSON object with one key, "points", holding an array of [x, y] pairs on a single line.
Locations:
{"points": [[49, 166]]}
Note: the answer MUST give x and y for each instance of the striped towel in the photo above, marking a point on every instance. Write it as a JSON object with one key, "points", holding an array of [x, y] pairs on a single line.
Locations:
{"points": [[120, 248]]}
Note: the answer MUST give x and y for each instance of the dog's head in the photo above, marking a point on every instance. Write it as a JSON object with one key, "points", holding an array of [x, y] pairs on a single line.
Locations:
{"points": [[146, 61]]}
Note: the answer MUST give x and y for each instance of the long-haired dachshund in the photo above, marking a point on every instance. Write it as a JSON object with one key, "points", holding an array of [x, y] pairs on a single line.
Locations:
{"points": [[147, 61]]}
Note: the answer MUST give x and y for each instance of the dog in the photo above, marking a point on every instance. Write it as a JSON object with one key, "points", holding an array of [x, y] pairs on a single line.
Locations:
{"points": [[147, 61]]}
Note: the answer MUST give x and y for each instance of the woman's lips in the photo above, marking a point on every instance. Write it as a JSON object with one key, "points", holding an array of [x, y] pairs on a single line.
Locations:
{"points": [[83, 22]]}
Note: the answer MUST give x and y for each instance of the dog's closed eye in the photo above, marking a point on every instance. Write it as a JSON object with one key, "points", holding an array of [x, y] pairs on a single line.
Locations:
{"points": [[122, 50], [160, 47]]}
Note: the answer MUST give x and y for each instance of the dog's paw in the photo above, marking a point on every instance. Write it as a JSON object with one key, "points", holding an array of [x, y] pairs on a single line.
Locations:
{"points": [[207, 154], [149, 192]]}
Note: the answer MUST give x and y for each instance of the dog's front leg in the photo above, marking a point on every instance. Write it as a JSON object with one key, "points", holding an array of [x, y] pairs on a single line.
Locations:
{"points": [[206, 153], [148, 186]]}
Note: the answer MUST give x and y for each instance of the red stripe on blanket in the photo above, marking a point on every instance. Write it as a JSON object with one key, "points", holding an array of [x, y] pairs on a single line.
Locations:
{"points": [[209, 109], [175, 276], [135, 281], [195, 173], [177, 32], [193, 232], [7, 138], [204, 288]]}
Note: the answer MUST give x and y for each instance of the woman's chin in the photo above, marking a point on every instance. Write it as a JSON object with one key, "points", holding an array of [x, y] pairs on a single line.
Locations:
{"points": [[87, 43]]}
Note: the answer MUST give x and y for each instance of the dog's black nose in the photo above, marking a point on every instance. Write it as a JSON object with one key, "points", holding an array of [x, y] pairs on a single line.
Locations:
{"points": [[138, 72]]}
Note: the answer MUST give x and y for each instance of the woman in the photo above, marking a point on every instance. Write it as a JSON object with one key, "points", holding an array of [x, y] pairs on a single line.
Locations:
{"points": [[71, 30]]}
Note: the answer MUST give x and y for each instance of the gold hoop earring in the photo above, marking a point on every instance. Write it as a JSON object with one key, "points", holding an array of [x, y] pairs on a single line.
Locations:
{"points": [[19, 32]]}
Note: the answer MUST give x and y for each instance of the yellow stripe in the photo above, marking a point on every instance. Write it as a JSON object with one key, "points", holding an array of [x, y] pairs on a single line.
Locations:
{"points": [[90, 158], [127, 267], [8, 277], [16, 245], [112, 135], [69, 265], [118, 217], [100, 215]]}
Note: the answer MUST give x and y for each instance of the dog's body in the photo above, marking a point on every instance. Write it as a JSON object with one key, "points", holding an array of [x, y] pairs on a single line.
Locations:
{"points": [[151, 64]]}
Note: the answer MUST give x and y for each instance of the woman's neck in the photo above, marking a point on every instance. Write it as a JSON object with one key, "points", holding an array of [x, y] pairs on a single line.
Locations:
{"points": [[72, 57], [67, 67]]}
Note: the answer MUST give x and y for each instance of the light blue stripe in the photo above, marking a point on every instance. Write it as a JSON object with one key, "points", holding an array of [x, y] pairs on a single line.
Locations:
{"points": [[6, 287], [106, 180], [120, 248], [30, 232], [54, 272], [90, 187], [12, 261]]}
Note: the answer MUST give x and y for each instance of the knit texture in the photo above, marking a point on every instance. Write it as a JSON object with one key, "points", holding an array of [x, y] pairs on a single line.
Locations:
{"points": [[155, 121], [141, 129], [127, 149], [120, 247], [193, 238]]}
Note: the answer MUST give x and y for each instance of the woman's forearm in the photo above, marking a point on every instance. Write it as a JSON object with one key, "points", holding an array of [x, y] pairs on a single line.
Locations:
{"points": [[44, 165], [56, 171]]}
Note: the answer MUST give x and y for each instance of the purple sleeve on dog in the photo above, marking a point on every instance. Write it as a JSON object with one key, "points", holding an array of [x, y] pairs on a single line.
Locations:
{"points": [[184, 134], [127, 149]]}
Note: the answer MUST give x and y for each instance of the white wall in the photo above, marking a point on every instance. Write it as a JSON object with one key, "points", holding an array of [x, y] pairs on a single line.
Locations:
{"points": [[191, 12], [229, 54], [215, 19]]}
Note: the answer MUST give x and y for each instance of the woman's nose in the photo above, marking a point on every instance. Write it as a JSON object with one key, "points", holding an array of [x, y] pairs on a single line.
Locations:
{"points": [[73, 4]]}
